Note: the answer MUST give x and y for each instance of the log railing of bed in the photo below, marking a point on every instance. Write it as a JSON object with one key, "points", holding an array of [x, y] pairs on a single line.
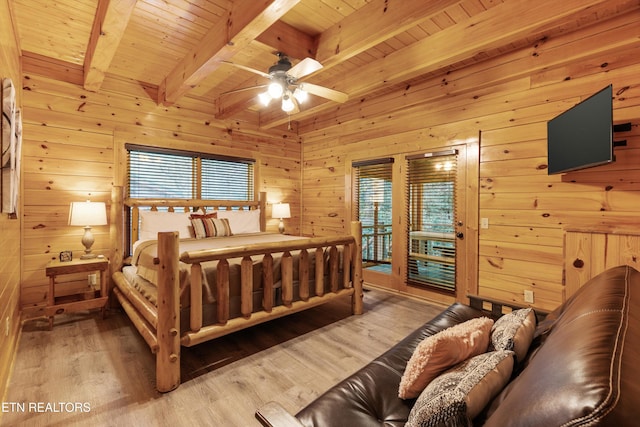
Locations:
{"points": [[160, 325]]}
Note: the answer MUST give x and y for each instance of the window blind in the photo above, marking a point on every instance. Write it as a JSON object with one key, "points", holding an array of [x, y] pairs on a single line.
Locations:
{"points": [[161, 175], [176, 174], [432, 245], [226, 180]]}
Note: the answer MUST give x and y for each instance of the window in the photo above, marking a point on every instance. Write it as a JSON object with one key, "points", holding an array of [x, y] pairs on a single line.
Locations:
{"points": [[373, 199], [163, 176], [174, 174], [226, 179], [432, 216]]}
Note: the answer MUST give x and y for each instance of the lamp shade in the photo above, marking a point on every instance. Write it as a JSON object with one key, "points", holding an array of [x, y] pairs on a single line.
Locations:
{"points": [[281, 210], [87, 213]]}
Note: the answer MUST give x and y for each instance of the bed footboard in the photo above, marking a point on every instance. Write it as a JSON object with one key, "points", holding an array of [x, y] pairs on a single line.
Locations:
{"points": [[312, 250]]}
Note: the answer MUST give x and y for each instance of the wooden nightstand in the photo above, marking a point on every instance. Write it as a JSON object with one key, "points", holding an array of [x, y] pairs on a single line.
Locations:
{"points": [[73, 303]]}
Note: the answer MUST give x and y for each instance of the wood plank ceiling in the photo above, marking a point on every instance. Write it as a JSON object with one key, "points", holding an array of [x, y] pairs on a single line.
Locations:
{"points": [[178, 48]]}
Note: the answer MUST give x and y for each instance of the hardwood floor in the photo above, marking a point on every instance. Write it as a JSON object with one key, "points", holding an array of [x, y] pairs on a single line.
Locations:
{"points": [[89, 371]]}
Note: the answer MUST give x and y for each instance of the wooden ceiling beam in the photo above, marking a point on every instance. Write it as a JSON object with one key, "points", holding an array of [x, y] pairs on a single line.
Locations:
{"points": [[51, 67], [377, 21], [282, 37], [245, 21], [111, 20], [486, 31]]}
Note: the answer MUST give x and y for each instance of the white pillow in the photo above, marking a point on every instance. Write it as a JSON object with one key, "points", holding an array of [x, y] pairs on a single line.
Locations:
{"points": [[151, 222], [242, 222]]}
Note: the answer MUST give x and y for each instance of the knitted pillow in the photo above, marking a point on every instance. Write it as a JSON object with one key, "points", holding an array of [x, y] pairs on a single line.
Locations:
{"points": [[441, 351], [457, 396]]}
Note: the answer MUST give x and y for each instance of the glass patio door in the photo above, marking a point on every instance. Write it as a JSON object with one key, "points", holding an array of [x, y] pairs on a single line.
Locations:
{"points": [[373, 197], [431, 252]]}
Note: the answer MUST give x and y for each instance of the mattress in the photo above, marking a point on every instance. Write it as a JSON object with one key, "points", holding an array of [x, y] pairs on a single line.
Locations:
{"points": [[142, 274]]}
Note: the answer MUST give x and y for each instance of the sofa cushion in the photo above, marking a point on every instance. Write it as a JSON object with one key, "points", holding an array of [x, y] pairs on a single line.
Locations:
{"points": [[514, 331], [441, 351], [574, 374], [459, 394]]}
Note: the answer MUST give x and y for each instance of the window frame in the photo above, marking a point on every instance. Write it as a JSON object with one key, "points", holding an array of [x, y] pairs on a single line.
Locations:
{"points": [[197, 159]]}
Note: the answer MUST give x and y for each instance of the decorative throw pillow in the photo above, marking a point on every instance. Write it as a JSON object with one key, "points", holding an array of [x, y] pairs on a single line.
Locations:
{"points": [[441, 351], [458, 395], [209, 225], [514, 331]]}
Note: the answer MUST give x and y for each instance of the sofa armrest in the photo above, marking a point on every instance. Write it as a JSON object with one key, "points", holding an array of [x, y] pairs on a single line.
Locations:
{"points": [[272, 414]]}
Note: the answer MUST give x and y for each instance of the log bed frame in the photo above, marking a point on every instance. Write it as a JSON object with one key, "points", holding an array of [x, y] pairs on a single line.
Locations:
{"points": [[160, 326]]}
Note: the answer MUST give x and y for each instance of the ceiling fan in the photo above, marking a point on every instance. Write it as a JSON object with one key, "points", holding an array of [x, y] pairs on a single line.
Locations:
{"points": [[286, 85]]}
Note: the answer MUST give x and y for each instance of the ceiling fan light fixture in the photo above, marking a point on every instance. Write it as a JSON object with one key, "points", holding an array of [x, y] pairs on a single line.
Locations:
{"points": [[287, 103], [300, 95], [275, 90], [265, 98]]}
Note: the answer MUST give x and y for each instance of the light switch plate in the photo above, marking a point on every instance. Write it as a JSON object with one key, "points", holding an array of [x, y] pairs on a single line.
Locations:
{"points": [[528, 297]]}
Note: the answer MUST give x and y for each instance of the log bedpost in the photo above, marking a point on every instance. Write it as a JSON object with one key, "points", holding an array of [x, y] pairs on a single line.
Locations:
{"points": [[116, 236], [195, 309], [356, 265], [263, 214], [168, 333]]}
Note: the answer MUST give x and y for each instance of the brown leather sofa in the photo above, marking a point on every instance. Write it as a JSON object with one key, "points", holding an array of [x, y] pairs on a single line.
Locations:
{"points": [[581, 369]]}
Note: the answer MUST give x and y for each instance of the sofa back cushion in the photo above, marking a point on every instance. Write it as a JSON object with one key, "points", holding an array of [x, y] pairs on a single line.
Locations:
{"points": [[585, 369]]}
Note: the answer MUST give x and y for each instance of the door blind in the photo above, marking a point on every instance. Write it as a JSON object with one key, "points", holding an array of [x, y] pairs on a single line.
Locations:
{"points": [[432, 245]]}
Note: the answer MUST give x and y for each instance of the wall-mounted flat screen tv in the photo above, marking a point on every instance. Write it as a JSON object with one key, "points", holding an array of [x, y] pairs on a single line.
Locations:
{"points": [[582, 136]]}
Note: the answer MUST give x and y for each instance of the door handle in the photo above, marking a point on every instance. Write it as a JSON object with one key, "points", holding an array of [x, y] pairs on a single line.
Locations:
{"points": [[460, 235]]}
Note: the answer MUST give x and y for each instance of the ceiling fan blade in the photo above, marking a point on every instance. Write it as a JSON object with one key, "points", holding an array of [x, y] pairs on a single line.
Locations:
{"points": [[244, 89], [324, 92], [304, 68], [251, 70]]}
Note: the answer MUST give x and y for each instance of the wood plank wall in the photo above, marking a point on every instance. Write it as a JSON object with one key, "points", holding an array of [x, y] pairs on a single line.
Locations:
{"points": [[589, 253], [9, 228], [74, 150], [507, 101]]}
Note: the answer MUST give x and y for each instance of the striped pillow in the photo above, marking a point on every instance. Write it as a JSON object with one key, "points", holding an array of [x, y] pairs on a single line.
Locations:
{"points": [[210, 226]]}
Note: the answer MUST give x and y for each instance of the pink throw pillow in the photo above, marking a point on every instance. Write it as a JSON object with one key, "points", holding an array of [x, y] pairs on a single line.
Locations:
{"points": [[441, 351]]}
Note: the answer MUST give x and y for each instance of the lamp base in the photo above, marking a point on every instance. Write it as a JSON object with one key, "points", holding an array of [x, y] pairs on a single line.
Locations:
{"points": [[87, 241], [281, 226]]}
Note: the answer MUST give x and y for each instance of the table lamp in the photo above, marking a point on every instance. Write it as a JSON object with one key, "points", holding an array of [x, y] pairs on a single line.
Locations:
{"points": [[86, 214], [281, 211]]}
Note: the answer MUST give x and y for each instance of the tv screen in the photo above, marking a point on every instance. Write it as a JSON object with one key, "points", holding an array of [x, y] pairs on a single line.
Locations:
{"points": [[582, 137]]}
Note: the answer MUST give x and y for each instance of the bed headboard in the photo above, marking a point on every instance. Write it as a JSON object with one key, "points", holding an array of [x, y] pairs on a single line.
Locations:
{"points": [[131, 211]]}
